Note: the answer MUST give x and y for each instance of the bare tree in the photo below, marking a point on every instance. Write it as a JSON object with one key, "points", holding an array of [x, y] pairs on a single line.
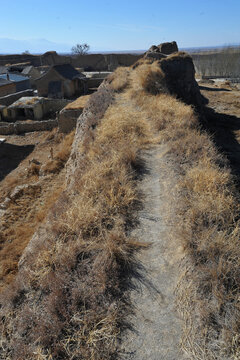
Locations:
{"points": [[80, 49]]}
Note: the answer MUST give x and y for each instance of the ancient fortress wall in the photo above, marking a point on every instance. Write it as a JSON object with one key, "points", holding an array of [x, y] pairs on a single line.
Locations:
{"points": [[97, 62], [23, 127], [9, 99]]}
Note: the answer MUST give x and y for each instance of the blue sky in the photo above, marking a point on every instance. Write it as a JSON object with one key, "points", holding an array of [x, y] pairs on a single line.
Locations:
{"points": [[118, 25]]}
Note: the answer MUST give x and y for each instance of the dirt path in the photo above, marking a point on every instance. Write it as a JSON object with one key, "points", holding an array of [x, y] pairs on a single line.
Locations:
{"points": [[156, 327]]}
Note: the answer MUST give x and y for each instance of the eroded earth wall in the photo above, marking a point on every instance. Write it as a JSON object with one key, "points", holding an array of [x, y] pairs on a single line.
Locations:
{"points": [[97, 62]]}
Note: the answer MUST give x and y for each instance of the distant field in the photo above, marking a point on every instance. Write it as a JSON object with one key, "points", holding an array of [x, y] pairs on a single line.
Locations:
{"points": [[223, 62]]}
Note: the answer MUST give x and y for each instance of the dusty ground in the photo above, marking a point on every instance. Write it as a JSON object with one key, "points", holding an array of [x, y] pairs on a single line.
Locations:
{"points": [[222, 98], [20, 215], [223, 121], [155, 326]]}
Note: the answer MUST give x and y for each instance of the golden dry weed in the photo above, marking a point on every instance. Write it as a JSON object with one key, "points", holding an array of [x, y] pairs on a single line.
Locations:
{"points": [[71, 299]]}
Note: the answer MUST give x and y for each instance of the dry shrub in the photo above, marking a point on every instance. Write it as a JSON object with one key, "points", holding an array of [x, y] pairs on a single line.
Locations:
{"points": [[54, 136], [65, 149], [8, 187], [119, 79], [121, 123], [160, 110], [22, 215], [227, 83], [51, 135], [15, 238], [31, 101], [56, 164], [33, 169], [150, 78], [209, 231], [11, 252], [178, 54], [142, 61]]}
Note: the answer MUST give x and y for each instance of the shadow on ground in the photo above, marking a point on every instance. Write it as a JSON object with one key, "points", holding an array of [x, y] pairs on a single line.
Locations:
{"points": [[222, 128], [201, 87], [10, 157]]}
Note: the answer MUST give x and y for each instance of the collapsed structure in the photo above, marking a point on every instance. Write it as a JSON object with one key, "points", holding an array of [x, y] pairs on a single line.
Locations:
{"points": [[34, 108]]}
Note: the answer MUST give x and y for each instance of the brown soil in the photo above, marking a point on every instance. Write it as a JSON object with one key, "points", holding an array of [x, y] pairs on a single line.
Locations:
{"points": [[223, 121], [78, 103], [222, 98], [20, 215], [155, 330]]}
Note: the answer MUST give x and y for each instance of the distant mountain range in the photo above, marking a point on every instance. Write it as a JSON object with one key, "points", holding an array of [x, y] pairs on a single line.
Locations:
{"points": [[40, 46], [34, 46]]}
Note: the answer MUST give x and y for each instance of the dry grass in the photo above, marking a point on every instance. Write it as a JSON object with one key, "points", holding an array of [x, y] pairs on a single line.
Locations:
{"points": [[119, 79], [142, 61], [33, 169], [23, 216], [150, 78], [32, 101], [80, 265], [207, 203], [79, 103], [14, 239], [70, 297], [225, 101], [27, 210], [56, 164]]}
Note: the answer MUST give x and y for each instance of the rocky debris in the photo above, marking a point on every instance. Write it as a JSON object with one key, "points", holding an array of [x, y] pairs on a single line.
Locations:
{"points": [[21, 189], [18, 192], [168, 48], [162, 50], [5, 203], [34, 161], [206, 81], [2, 212]]}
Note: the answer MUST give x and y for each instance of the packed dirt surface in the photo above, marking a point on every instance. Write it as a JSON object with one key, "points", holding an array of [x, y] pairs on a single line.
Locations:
{"points": [[25, 196], [155, 329], [222, 98], [15, 150], [223, 121]]}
